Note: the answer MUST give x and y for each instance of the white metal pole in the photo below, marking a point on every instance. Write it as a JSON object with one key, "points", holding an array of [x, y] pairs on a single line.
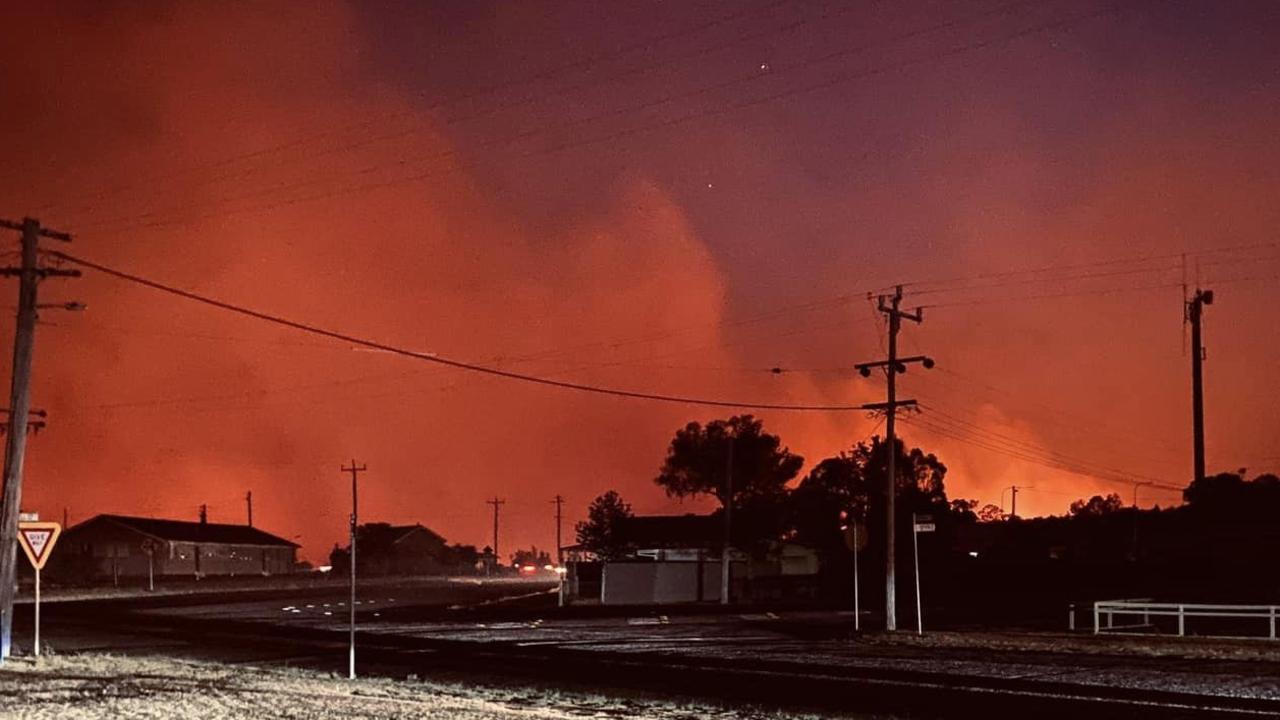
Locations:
{"points": [[351, 660], [37, 642], [857, 610], [915, 546], [151, 571]]}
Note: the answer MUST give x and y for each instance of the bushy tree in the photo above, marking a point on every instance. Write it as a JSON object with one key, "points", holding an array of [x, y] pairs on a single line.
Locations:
{"points": [[853, 482], [1096, 506], [601, 532], [1229, 495], [991, 513], [964, 510], [539, 559], [697, 464], [463, 555]]}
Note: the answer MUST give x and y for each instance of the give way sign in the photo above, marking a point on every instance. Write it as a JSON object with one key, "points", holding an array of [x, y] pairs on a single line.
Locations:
{"points": [[37, 540]]}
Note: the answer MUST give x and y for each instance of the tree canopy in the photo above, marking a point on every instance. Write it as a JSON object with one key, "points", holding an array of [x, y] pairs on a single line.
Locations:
{"points": [[1230, 495], [600, 532], [1096, 506], [854, 482], [697, 462]]}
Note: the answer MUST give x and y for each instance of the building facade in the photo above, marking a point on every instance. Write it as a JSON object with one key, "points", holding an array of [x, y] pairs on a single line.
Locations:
{"points": [[114, 546]]}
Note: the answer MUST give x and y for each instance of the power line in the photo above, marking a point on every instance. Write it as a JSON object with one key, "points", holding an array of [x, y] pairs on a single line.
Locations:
{"points": [[1178, 256], [981, 440], [646, 105], [1028, 446], [1045, 412], [432, 358], [550, 73], [1049, 296], [578, 142]]}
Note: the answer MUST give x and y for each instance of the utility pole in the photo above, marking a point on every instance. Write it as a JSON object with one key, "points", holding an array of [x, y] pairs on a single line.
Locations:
{"points": [[892, 366], [496, 502], [1013, 498], [355, 471], [248, 499], [1194, 311], [725, 562], [30, 273], [1137, 485], [558, 501]]}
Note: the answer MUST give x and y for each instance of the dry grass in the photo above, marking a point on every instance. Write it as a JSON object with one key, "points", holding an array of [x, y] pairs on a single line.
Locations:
{"points": [[85, 686]]}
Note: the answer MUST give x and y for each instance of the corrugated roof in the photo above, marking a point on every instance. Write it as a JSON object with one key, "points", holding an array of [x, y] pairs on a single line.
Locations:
{"points": [[187, 531]]}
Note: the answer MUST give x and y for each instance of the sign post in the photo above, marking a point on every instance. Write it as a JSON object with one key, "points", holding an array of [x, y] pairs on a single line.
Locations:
{"points": [[919, 524], [855, 539], [857, 611], [37, 540], [149, 547]]}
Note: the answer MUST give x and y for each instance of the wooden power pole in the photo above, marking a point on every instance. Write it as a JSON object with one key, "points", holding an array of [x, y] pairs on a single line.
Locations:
{"points": [[29, 274], [1195, 308], [496, 502]]}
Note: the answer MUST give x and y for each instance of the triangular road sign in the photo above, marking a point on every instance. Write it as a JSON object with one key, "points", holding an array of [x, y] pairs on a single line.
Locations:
{"points": [[37, 540]]}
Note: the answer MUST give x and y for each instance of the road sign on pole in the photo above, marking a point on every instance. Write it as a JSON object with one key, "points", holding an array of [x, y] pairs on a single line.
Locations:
{"points": [[150, 547], [919, 524], [37, 540]]}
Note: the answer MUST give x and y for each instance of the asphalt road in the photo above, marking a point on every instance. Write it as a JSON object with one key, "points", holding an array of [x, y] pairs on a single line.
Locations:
{"points": [[512, 632]]}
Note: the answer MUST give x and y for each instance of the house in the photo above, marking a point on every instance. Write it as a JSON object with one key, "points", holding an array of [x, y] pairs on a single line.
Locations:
{"points": [[677, 559], [123, 546], [385, 549]]}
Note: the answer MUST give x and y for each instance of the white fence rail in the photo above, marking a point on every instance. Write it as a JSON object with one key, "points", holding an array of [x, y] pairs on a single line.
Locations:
{"points": [[1105, 613]]}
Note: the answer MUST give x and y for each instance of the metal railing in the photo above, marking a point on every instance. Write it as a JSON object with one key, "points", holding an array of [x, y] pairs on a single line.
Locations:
{"points": [[1106, 611]]}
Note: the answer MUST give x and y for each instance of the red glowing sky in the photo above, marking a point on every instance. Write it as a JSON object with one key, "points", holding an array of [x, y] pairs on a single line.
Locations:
{"points": [[651, 196]]}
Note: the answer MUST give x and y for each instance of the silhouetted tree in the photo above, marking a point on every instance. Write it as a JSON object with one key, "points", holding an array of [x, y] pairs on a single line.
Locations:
{"points": [[539, 559], [697, 465], [990, 513], [1229, 495], [600, 532], [464, 555], [834, 486], [854, 481], [963, 510], [1096, 506], [340, 560]]}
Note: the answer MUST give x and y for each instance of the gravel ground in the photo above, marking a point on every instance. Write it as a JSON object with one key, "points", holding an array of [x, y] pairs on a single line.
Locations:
{"points": [[75, 687]]}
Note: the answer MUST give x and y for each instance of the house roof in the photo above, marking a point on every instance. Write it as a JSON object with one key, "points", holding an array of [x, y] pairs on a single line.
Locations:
{"points": [[187, 531], [672, 531], [400, 532]]}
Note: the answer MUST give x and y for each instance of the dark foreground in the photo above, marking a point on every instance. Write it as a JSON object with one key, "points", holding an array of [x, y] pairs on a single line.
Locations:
{"points": [[804, 661]]}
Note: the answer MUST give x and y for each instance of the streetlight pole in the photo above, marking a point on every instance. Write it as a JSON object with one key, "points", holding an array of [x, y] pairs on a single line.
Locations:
{"points": [[355, 471]]}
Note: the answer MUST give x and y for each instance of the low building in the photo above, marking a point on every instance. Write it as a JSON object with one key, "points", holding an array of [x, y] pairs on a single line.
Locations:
{"points": [[122, 546], [402, 550], [677, 559]]}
